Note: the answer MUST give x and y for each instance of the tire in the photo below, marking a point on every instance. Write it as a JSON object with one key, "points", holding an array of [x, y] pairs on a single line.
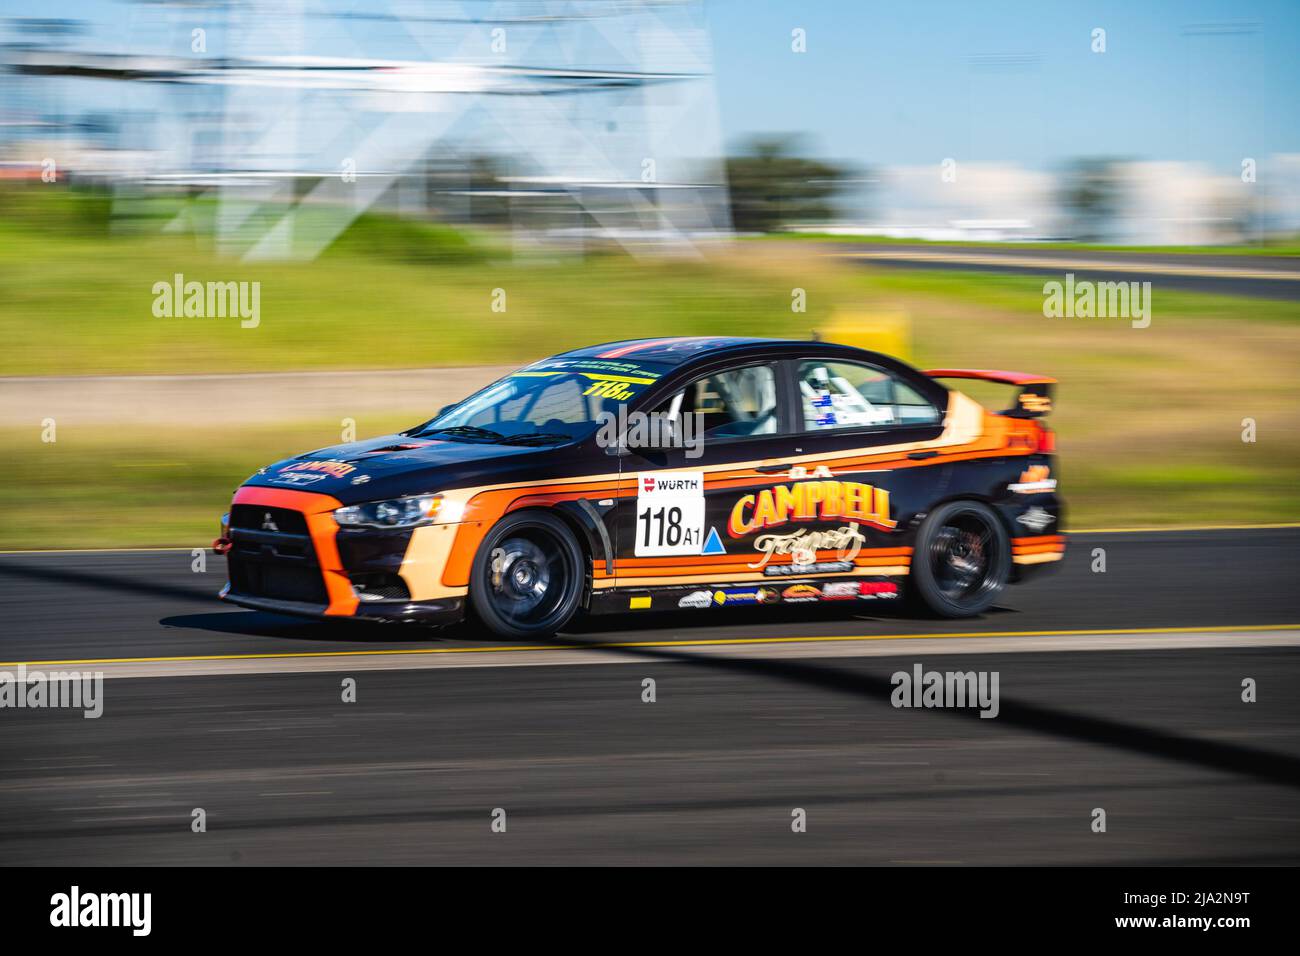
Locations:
{"points": [[962, 559], [528, 577]]}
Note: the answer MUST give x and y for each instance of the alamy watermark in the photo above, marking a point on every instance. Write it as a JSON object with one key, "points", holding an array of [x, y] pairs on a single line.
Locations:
{"points": [[651, 430], [950, 689], [77, 909], [211, 300], [1086, 299], [37, 690]]}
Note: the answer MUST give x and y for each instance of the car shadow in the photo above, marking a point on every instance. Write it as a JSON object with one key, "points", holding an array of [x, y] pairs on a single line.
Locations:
{"points": [[895, 614], [201, 590], [285, 627], [876, 688], [1226, 756], [247, 623]]}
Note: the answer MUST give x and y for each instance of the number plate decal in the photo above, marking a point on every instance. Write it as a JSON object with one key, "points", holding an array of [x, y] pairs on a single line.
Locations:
{"points": [[669, 513]]}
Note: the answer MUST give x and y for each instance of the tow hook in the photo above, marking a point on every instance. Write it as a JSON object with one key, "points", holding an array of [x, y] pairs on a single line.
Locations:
{"points": [[222, 545]]}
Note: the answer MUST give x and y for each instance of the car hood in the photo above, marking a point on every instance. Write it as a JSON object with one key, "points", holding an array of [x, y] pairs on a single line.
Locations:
{"points": [[396, 465]]}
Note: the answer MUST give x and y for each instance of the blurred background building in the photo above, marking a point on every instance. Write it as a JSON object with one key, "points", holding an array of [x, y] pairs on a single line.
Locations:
{"points": [[564, 120], [579, 121]]}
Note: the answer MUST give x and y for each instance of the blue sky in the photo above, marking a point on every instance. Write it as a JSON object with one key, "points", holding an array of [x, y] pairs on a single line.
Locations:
{"points": [[912, 83], [1009, 81]]}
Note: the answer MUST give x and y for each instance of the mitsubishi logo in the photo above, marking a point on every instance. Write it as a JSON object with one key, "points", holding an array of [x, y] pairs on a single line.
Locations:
{"points": [[268, 523]]}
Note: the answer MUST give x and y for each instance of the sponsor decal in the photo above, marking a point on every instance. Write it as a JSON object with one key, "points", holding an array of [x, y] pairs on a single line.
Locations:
{"points": [[1033, 480], [802, 472], [616, 381], [745, 596], [846, 541], [854, 590], [681, 483], [1036, 519], [811, 501], [1033, 402], [336, 469], [669, 514], [840, 590], [800, 593], [696, 599], [877, 590], [299, 478], [590, 367], [799, 570], [639, 603]]}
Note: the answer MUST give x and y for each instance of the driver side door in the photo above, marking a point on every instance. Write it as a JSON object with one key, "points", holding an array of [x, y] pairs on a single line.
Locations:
{"points": [[677, 496]]}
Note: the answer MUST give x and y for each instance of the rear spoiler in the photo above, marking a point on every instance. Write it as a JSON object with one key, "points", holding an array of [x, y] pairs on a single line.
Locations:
{"points": [[1033, 400]]}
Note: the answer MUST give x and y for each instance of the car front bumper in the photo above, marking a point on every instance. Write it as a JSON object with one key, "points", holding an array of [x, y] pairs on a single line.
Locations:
{"points": [[440, 612]]}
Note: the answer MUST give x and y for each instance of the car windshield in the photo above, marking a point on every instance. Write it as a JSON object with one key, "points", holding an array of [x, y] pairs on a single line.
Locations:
{"points": [[549, 402]]}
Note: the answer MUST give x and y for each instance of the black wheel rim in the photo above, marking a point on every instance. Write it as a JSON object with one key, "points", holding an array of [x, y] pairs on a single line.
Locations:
{"points": [[529, 577], [963, 557]]}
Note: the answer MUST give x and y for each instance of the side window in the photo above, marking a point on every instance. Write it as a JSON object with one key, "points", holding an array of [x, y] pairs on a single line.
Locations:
{"points": [[849, 395], [732, 404]]}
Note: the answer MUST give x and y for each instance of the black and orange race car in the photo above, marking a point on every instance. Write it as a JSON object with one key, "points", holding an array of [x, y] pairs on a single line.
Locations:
{"points": [[663, 474]]}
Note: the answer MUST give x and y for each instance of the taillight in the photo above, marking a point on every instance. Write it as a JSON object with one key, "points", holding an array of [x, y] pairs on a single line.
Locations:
{"points": [[1046, 440]]}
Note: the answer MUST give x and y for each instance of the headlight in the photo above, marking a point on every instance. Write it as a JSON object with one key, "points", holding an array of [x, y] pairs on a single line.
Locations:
{"points": [[394, 513]]}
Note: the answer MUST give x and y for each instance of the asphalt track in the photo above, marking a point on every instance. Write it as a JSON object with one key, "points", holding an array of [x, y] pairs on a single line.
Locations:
{"points": [[1268, 277], [1119, 690]]}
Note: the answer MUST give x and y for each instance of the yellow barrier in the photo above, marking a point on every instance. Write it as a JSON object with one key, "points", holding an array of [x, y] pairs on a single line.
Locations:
{"points": [[888, 332]]}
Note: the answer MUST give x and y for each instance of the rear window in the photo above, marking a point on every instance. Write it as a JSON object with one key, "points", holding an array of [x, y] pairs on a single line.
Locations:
{"points": [[855, 395]]}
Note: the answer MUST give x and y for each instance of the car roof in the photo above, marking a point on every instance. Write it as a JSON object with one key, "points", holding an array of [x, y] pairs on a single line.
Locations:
{"points": [[672, 351], [689, 350], [682, 352]]}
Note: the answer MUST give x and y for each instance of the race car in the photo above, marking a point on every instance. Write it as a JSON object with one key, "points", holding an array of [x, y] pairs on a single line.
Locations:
{"points": [[680, 474]]}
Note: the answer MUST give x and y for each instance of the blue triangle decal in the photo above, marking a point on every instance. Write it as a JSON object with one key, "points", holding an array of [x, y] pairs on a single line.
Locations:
{"points": [[713, 544]]}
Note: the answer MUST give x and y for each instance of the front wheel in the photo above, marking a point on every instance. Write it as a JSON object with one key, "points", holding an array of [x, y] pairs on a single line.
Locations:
{"points": [[962, 559], [527, 579]]}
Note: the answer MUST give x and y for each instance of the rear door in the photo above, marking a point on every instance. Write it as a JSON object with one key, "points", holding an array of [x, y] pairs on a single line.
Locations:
{"points": [[861, 470]]}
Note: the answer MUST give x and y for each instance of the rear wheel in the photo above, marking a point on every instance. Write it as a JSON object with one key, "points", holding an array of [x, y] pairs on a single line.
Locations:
{"points": [[528, 577], [962, 559]]}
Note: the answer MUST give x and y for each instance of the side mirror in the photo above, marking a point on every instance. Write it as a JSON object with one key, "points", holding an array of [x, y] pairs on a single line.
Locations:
{"points": [[445, 409]]}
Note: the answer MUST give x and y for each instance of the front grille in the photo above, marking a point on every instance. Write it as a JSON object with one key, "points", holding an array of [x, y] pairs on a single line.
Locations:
{"points": [[271, 556], [260, 518], [379, 586], [281, 582]]}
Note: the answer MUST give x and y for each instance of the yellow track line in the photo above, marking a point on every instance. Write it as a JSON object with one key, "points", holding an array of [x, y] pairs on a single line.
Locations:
{"points": [[623, 645], [1068, 531]]}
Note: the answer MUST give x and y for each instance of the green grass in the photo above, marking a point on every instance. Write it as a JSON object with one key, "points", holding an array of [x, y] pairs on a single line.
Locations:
{"points": [[386, 295], [139, 487], [78, 307]]}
